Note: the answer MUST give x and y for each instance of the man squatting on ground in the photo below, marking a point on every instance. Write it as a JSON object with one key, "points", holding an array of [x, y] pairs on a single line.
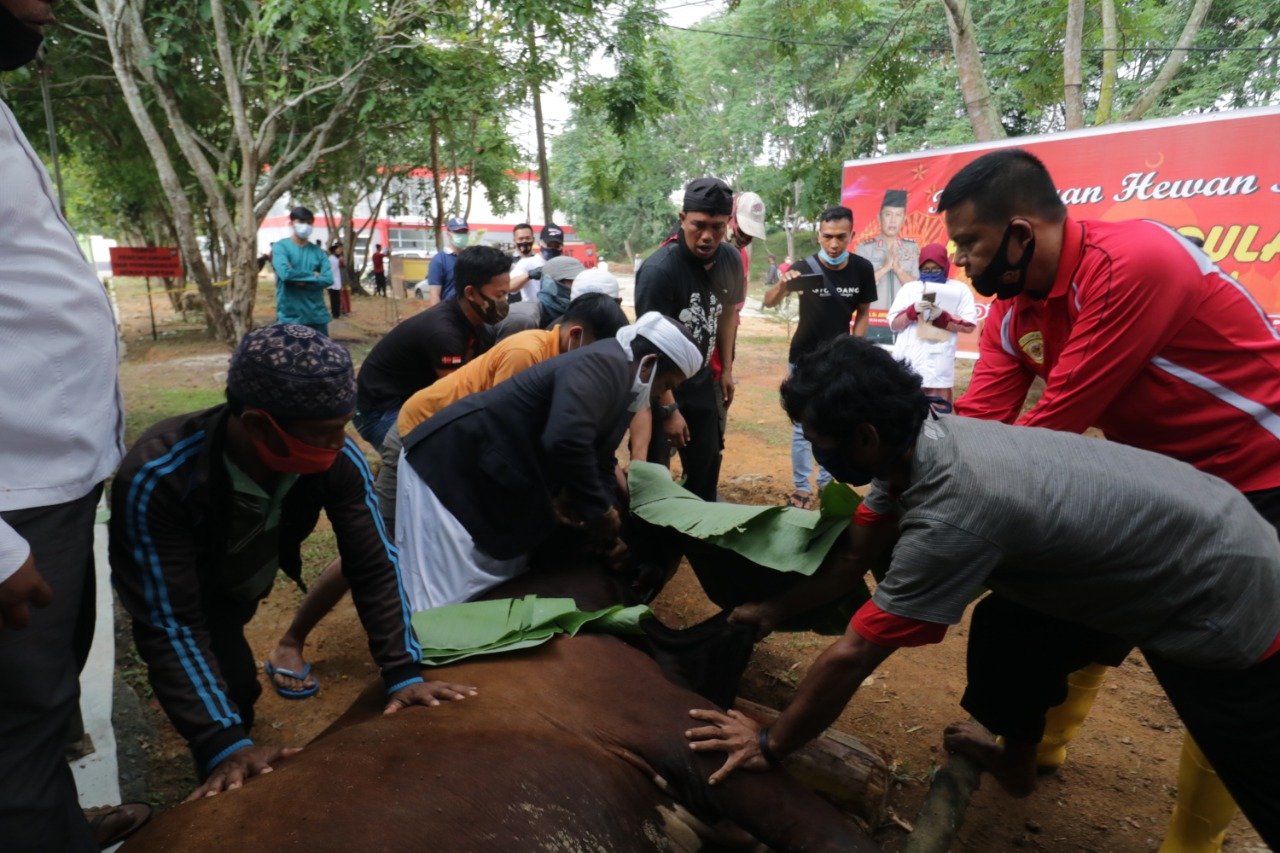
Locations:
{"points": [[208, 506], [1134, 331], [590, 317], [696, 279], [1088, 547], [543, 442]]}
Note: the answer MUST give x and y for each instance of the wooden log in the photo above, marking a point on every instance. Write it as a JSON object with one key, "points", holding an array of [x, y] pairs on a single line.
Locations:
{"points": [[944, 806], [837, 766]]}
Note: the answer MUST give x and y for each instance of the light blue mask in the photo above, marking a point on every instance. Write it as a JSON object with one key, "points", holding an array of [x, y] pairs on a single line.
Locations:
{"points": [[836, 261]]}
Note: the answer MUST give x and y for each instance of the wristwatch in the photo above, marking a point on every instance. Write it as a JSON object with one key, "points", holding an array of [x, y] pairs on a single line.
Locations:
{"points": [[668, 410]]}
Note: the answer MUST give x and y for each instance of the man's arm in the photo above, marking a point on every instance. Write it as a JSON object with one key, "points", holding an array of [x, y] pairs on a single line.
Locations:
{"points": [[726, 339], [21, 586], [825, 691], [586, 406], [1000, 381], [861, 317], [154, 571], [369, 563]]}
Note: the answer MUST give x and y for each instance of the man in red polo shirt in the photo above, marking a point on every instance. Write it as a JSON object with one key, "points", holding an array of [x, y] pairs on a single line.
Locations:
{"points": [[1134, 331]]}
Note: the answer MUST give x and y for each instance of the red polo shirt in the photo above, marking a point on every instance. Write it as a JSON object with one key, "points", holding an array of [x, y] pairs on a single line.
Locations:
{"points": [[1145, 338]]}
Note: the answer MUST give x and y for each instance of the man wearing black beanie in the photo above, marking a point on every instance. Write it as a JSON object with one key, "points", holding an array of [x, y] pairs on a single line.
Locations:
{"points": [[697, 279]]}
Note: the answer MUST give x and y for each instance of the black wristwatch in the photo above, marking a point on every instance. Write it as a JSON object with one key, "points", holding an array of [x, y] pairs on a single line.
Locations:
{"points": [[668, 410]]}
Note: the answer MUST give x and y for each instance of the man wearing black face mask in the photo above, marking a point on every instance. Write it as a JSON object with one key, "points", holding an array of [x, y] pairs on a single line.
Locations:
{"points": [[1134, 331], [433, 344]]}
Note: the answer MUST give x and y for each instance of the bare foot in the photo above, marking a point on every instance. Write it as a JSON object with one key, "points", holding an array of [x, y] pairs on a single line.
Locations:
{"points": [[288, 656], [1014, 770]]}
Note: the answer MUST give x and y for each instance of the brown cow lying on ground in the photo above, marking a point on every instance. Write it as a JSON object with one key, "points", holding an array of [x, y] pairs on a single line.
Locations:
{"points": [[577, 744]]}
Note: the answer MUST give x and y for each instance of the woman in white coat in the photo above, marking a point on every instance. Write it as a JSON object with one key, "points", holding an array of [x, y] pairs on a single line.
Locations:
{"points": [[927, 316]]}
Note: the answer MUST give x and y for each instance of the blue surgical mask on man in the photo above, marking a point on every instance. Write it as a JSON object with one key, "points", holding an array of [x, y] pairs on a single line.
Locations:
{"points": [[836, 261], [302, 229], [460, 240]]}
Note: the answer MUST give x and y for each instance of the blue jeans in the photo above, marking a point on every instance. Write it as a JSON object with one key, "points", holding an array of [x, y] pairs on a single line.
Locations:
{"points": [[802, 461], [373, 426]]}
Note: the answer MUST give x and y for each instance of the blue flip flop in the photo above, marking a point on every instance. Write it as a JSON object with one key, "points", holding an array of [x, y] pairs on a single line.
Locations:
{"points": [[286, 692]]}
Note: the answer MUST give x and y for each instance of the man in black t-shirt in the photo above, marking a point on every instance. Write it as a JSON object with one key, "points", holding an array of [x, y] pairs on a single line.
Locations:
{"points": [[836, 301], [433, 344], [696, 279]]}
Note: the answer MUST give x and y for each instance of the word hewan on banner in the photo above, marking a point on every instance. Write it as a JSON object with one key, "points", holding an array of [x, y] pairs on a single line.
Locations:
{"points": [[1213, 177]]}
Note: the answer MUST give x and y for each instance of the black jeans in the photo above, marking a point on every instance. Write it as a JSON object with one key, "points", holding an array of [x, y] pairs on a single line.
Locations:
{"points": [[335, 303], [700, 458], [40, 683]]}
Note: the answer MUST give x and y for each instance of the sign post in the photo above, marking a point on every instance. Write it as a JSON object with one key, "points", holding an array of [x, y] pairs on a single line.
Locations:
{"points": [[145, 262]]}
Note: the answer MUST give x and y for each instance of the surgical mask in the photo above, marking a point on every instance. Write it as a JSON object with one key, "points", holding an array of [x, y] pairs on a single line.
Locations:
{"points": [[837, 465], [460, 241], [18, 42], [933, 276], [493, 310], [641, 390], [550, 253], [993, 281], [302, 230], [302, 458], [836, 261]]}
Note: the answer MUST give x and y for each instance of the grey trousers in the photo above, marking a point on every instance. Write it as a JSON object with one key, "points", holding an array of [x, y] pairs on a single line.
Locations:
{"points": [[40, 683]]}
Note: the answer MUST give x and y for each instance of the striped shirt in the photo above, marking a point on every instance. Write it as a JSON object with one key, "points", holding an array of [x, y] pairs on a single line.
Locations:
{"points": [[1124, 541]]}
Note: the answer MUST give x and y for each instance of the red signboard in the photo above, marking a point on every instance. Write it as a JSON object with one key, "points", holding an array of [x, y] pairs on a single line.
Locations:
{"points": [[143, 262], [1216, 177]]}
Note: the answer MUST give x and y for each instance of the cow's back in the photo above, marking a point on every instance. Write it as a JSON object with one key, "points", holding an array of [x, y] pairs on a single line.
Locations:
{"points": [[561, 750]]}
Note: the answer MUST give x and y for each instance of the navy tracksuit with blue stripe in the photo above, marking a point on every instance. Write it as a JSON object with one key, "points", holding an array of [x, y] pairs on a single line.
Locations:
{"points": [[170, 513]]}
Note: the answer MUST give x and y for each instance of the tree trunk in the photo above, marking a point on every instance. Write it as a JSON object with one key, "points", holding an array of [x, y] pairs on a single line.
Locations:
{"points": [[437, 186], [973, 79], [120, 37], [944, 806], [790, 219], [544, 171], [1110, 40], [1177, 56], [1072, 90]]}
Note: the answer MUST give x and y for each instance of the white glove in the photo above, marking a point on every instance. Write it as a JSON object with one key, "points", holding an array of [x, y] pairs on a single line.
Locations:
{"points": [[924, 309]]}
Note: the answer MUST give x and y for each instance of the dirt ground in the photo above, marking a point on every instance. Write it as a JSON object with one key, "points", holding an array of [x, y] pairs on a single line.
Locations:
{"points": [[1114, 794]]}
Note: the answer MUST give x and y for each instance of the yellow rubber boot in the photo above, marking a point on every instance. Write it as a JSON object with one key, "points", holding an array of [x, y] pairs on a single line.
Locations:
{"points": [[1063, 722], [1204, 808]]}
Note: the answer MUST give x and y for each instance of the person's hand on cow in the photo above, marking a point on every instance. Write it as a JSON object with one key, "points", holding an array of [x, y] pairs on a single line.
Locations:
{"points": [[951, 323], [239, 767], [21, 591], [762, 614], [734, 733], [602, 532], [428, 693]]}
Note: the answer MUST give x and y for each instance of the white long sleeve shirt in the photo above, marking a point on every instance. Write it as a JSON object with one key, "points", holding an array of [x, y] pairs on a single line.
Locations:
{"points": [[61, 414]]}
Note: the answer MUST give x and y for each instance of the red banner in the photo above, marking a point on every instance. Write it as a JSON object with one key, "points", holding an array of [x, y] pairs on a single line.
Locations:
{"points": [[143, 262], [1216, 177]]}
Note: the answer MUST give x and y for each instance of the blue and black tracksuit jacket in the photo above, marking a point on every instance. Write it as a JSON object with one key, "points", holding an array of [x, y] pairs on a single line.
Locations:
{"points": [[170, 513]]}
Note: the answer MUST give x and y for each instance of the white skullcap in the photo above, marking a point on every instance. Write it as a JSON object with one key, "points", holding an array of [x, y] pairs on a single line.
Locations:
{"points": [[663, 333], [594, 280]]}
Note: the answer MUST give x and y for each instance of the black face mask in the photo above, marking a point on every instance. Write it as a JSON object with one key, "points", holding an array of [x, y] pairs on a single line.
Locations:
{"points": [[525, 248], [839, 466], [18, 43], [492, 310], [995, 279]]}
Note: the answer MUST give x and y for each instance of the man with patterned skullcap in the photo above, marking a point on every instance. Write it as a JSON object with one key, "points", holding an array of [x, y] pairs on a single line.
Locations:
{"points": [[208, 506]]}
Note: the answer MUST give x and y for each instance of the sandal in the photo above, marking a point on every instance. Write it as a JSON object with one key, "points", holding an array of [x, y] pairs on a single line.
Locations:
{"points": [[800, 500], [113, 824]]}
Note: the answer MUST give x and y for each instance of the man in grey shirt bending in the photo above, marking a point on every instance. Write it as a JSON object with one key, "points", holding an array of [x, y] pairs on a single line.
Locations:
{"points": [[1089, 548]]}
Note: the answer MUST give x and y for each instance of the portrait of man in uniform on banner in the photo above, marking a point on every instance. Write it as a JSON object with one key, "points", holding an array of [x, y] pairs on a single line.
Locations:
{"points": [[894, 256]]}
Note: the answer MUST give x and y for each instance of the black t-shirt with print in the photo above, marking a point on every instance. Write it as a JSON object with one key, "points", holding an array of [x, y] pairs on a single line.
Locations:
{"points": [[822, 315], [675, 282], [408, 357]]}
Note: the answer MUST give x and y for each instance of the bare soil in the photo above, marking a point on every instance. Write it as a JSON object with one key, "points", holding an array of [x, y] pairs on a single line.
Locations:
{"points": [[1114, 794]]}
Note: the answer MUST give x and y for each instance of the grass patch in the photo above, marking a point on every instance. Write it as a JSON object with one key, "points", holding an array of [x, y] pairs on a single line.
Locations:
{"points": [[146, 406]]}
